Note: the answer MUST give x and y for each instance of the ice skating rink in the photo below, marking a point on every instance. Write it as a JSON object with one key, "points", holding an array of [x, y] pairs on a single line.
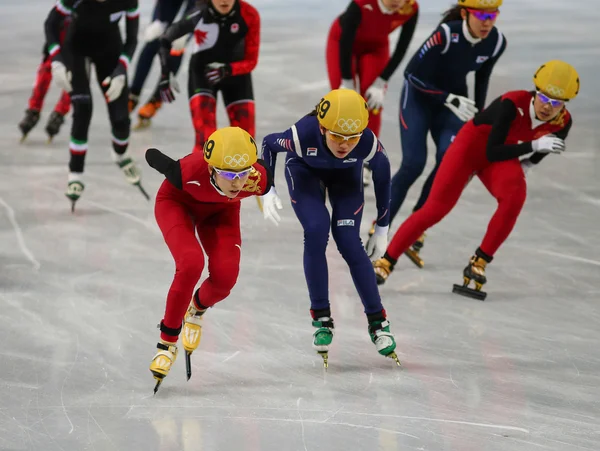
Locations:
{"points": [[80, 295]]}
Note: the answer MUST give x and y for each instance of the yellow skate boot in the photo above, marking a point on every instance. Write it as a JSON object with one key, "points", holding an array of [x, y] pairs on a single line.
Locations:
{"points": [[475, 271], [162, 361], [191, 334], [413, 251], [383, 268]]}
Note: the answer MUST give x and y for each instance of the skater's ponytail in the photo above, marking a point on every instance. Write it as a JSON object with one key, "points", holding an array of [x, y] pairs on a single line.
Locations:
{"points": [[452, 14]]}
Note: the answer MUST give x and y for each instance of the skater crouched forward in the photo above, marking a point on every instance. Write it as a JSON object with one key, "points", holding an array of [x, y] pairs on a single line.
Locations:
{"points": [[202, 194], [490, 146]]}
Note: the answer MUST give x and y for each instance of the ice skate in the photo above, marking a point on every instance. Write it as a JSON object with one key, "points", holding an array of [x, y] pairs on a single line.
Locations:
{"points": [[146, 113], [74, 190], [131, 172], [367, 175], [383, 339], [132, 102], [323, 337], [413, 252], [53, 126], [29, 121], [162, 361], [475, 271], [383, 268], [192, 333]]}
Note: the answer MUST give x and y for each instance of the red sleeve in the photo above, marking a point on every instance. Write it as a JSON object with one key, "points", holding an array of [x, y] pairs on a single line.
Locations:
{"points": [[259, 181], [191, 167], [252, 41]]}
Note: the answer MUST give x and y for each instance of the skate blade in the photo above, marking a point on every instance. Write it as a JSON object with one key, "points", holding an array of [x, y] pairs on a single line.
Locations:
{"points": [[23, 138], [49, 140], [469, 292], [143, 191], [188, 364], [259, 202], [142, 124], [380, 280], [325, 355], [159, 379], [393, 356], [414, 257]]}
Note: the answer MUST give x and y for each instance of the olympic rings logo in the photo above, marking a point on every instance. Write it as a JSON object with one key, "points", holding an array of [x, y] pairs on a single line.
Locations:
{"points": [[349, 125], [554, 91], [237, 160]]}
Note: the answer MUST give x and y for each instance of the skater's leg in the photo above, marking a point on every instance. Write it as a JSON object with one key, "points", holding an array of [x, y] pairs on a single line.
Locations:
{"points": [[203, 108], [238, 97], [506, 182]]}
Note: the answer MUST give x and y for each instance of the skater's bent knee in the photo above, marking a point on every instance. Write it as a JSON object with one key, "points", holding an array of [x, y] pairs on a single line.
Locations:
{"points": [[190, 265]]}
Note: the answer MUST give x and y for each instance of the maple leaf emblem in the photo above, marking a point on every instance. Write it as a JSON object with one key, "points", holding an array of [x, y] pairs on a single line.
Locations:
{"points": [[200, 36]]}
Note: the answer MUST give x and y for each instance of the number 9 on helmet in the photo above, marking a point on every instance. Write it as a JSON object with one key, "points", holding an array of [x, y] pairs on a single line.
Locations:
{"points": [[230, 148], [343, 111]]}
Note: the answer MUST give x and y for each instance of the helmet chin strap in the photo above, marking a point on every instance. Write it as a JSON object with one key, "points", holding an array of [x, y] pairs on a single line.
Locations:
{"points": [[213, 182]]}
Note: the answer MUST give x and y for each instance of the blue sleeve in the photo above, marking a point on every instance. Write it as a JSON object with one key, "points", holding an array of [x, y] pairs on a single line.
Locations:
{"points": [[382, 175], [482, 76], [273, 144], [424, 65]]}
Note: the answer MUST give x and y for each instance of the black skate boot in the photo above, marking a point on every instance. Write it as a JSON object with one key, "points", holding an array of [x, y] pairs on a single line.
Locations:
{"points": [[29, 121], [474, 271], [413, 252], [53, 126]]}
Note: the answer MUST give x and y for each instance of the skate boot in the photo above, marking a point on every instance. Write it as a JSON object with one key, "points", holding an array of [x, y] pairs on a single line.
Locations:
{"points": [[474, 271], [74, 189], [53, 125], [323, 336], [383, 268], [29, 121], [132, 102], [383, 339], [131, 172], [146, 113], [162, 361], [192, 333], [413, 251]]}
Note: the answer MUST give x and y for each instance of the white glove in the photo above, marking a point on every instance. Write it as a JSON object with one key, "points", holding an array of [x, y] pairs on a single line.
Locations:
{"points": [[179, 44], [548, 144], [526, 165], [375, 94], [154, 30], [115, 87], [270, 204], [463, 107], [377, 243], [61, 76], [347, 84]]}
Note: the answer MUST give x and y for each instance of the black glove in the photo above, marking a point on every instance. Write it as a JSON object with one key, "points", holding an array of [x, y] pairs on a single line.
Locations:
{"points": [[167, 86], [216, 72]]}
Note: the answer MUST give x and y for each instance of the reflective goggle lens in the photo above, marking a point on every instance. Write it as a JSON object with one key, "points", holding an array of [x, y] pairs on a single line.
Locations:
{"points": [[339, 138], [484, 15], [545, 99], [231, 175]]}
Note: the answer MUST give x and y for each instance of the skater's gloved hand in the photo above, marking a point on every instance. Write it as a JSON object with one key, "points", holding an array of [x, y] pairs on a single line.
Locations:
{"points": [[115, 83], [216, 72], [375, 95], [347, 84], [179, 44], [270, 204], [168, 84], [463, 107], [526, 165], [61, 75], [377, 243], [548, 144], [154, 30]]}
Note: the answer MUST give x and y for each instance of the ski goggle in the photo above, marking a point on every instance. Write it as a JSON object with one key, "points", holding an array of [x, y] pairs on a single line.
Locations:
{"points": [[232, 175], [339, 138], [484, 15], [553, 102]]}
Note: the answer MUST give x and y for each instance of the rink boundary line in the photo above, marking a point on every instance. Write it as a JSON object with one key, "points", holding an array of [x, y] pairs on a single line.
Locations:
{"points": [[19, 233]]}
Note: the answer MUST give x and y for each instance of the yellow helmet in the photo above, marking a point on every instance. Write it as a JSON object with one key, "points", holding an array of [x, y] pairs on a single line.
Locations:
{"points": [[480, 4], [230, 148], [558, 80], [343, 111]]}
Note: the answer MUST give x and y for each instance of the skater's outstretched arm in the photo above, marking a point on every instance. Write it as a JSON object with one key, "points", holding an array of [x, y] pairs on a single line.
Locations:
{"points": [[380, 165], [164, 164], [273, 144], [536, 157], [406, 35], [251, 41], [349, 23], [176, 30], [53, 24]]}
